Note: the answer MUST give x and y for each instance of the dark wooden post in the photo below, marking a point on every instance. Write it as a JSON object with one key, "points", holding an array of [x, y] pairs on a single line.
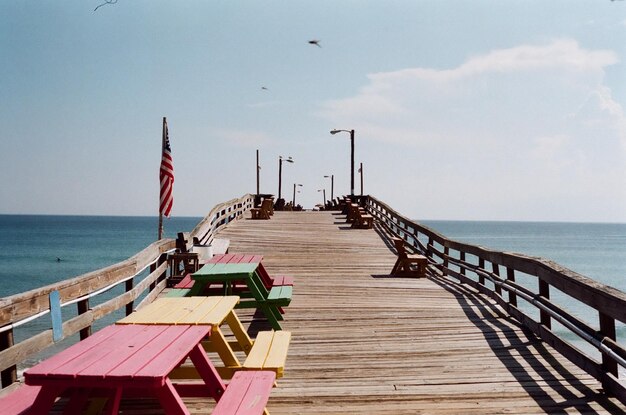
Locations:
{"points": [[129, 286], [607, 328], [462, 257], [510, 276], [544, 291], [83, 307], [496, 271], [429, 252], [446, 252], [481, 265], [8, 375]]}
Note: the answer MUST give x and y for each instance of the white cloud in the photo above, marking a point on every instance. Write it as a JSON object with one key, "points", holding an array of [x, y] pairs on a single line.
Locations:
{"points": [[532, 123]]}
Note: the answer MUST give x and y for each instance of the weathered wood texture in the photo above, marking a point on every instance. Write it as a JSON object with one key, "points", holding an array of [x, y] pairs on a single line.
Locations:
{"points": [[363, 342]]}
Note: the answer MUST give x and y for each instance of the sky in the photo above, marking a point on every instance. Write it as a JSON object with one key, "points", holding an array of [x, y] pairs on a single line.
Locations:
{"points": [[462, 110]]}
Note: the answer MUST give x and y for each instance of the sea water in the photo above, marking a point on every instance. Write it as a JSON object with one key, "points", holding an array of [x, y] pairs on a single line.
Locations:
{"points": [[37, 250]]}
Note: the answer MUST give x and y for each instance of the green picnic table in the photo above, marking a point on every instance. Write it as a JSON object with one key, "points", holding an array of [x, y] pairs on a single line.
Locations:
{"points": [[268, 301]]}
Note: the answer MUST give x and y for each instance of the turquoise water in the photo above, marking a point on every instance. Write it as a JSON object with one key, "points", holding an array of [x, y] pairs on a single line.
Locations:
{"points": [[595, 250], [31, 244]]}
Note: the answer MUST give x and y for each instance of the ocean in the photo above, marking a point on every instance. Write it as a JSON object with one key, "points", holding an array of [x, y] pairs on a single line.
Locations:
{"points": [[36, 250]]}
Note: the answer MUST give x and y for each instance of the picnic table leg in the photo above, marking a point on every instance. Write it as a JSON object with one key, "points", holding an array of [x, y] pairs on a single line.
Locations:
{"points": [[196, 289], [239, 331], [78, 398], [272, 316], [45, 399], [113, 404], [170, 399], [207, 372], [223, 349]]}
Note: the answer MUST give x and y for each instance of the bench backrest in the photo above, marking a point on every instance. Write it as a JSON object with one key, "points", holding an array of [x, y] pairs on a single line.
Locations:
{"points": [[267, 205], [399, 245]]}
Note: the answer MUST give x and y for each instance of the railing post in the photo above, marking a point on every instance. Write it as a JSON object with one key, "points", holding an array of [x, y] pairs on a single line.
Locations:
{"points": [[510, 276], [481, 265], [83, 307], [544, 291], [462, 258], [429, 252], [446, 252], [8, 375], [496, 271], [129, 286], [607, 329]]}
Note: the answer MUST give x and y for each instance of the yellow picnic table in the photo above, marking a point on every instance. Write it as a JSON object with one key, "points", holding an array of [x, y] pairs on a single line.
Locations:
{"points": [[271, 347]]}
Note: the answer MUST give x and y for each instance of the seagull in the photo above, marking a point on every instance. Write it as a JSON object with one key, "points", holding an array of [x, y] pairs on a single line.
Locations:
{"points": [[315, 42], [264, 88], [105, 2]]}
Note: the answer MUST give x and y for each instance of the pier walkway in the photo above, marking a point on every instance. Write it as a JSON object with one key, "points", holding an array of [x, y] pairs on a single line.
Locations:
{"points": [[367, 343]]}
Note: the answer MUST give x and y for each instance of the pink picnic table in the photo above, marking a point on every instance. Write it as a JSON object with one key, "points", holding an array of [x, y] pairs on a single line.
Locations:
{"points": [[121, 359]]}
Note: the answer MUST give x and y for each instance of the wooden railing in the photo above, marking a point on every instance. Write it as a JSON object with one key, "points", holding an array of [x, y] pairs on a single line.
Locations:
{"points": [[220, 216], [494, 273], [55, 300]]}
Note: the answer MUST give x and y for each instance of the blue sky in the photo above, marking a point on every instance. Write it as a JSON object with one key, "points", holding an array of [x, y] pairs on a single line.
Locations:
{"points": [[462, 109]]}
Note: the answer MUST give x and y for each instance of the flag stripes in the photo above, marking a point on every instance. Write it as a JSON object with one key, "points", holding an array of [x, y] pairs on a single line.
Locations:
{"points": [[166, 175]]}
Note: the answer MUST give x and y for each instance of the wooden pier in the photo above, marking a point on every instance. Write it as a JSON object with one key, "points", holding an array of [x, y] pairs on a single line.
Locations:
{"points": [[363, 342], [454, 342]]}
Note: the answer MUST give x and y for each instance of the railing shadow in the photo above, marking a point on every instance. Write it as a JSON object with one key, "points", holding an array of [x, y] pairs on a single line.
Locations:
{"points": [[524, 353]]}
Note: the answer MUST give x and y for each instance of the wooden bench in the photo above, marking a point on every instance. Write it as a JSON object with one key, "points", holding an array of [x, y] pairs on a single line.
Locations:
{"points": [[359, 218], [265, 211], [246, 394], [405, 262], [269, 352]]}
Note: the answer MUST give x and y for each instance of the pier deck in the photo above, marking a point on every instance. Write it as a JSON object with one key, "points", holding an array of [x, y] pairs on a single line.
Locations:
{"points": [[367, 343]]}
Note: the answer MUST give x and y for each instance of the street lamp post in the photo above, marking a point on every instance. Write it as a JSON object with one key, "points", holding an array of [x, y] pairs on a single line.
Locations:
{"points": [[280, 173], [351, 156], [324, 196], [332, 185], [293, 202], [258, 170], [361, 171]]}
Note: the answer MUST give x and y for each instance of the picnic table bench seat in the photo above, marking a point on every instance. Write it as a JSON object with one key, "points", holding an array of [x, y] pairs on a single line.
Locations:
{"points": [[359, 217], [247, 394], [19, 399], [408, 265], [269, 352]]}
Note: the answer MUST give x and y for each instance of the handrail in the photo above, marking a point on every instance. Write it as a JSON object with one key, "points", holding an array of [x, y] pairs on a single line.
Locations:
{"points": [[19, 309], [479, 267], [220, 216]]}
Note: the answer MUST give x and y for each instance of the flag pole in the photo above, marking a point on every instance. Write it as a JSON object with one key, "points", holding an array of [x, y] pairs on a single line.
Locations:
{"points": [[160, 210]]}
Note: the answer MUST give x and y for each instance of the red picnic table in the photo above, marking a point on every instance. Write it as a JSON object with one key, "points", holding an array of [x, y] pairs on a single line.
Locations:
{"points": [[117, 359]]}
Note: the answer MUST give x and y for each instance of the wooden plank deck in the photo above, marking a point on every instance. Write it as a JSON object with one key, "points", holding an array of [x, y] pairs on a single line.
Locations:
{"points": [[367, 343]]}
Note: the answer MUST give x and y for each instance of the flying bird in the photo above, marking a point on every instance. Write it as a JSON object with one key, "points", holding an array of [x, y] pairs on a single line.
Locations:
{"points": [[105, 2], [315, 42], [264, 88]]}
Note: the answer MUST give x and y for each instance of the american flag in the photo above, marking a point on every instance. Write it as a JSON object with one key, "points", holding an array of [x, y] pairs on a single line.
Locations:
{"points": [[166, 175]]}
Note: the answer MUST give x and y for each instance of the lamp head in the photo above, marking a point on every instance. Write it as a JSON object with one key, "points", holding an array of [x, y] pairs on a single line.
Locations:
{"points": [[335, 131]]}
